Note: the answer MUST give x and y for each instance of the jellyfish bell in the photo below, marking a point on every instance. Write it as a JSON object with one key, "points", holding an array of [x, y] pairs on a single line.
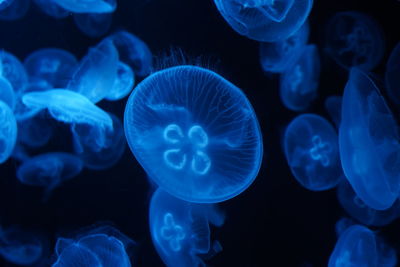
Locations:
{"points": [[50, 8], [7, 94], [8, 132], [13, 71], [93, 24], [88, 6], [123, 84]]}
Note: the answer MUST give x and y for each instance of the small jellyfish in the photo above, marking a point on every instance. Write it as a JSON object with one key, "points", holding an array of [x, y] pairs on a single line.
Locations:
{"points": [[333, 105], [312, 152], [53, 65], [88, 6], [369, 143], [353, 39], [13, 71], [96, 72], [7, 94], [392, 75], [265, 20], [299, 83], [99, 149], [35, 132], [50, 8], [180, 230], [195, 134], [278, 57], [16, 10], [8, 132], [93, 24], [123, 84], [134, 52]]}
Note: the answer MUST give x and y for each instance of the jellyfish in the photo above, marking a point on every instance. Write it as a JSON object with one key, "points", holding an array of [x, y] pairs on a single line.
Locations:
{"points": [[16, 10], [7, 94], [5, 3], [312, 152], [278, 57], [96, 72], [13, 71], [93, 24], [99, 150], [333, 105], [50, 8], [353, 39], [88, 6], [392, 75], [369, 143], [8, 132], [265, 20], [299, 84], [195, 134], [123, 84], [180, 230], [134, 52], [35, 132], [54, 66]]}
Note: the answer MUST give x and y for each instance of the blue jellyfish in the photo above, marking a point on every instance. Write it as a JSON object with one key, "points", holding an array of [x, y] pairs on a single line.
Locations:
{"points": [[392, 75], [13, 71], [354, 39], [96, 72], [53, 65], [35, 132], [369, 143], [88, 6], [312, 152], [8, 132], [356, 208], [99, 149], [93, 24], [180, 230], [134, 52], [5, 3], [299, 83], [123, 84], [194, 133], [277, 57], [7, 94], [265, 20], [333, 105], [50, 8], [16, 10]]}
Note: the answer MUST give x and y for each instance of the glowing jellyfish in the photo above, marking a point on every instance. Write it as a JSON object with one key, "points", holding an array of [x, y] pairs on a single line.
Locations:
{"points": [[88, 6], [13, 71], [354, 39], [53, 65], [180, 230], [35, 131], [392, 75], [369, 143], [8, 132], [99, 149], [7, 94], [68, 107], [265, 20], [299, 84], [359, 246], [312, 151], [50, 8], [195, 134], [93, 24], [96, 72], [123, 84], [333, 106], [277, 57], [16, 10], [134, 52]]}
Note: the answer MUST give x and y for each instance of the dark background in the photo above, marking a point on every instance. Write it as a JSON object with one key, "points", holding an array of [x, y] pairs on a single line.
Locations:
{"points": [[275, 222]]}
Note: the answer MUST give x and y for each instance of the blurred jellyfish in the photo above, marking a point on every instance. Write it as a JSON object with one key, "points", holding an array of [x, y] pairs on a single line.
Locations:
{"points": [[8, 132], [369, 143], [96, 72], [277, 57], [53, 65], [5, 3], [359, 246], [265, 20], [312, 151], [392, 76], [356, 208], [50, 8], [299, 84], [93, 24], [16, 10], [35, 132], [180, 230], [195, 134], [88, 6], [134, 52], [333, 105], [99, 150], [123, 84], [13, 71], [354, 39], [7, 94]]}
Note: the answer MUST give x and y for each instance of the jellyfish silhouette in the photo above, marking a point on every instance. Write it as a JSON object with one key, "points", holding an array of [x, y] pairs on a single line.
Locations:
{"points": [[180, 230], [265, 20], [392, 75], [88, 6], [278, 57], [7, 94], [35, 132], [93, 24], [333, 105], [53, 65], [369, 143], [13, 71], [299, 84], [50, 8], [194, 133], [312, 151], [123, 84], [16, 10], [8, 132], [353, 39]]}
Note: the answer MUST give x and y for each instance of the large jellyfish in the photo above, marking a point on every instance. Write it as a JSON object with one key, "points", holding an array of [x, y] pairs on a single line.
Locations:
{"points": [[7, 94], [265, 20], [195, 134], [93, 24], [333, 105], [299, 83], [180, 230], [312, 151], [392, 75], [354, 39], [369, 143], [8, 132], [123, 84], [88, 6], [16, 10]]}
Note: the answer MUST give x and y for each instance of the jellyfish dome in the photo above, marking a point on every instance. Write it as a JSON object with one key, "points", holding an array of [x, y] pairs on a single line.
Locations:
{"points": [[369, 143], [180, 230], [8, 132], [353, 39], [93, 24], [194, 133], [88, 6], [35, 132], [312, 152], [123, 84], [50, 8], [392, 75], [265, 20], [13, 71]]}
